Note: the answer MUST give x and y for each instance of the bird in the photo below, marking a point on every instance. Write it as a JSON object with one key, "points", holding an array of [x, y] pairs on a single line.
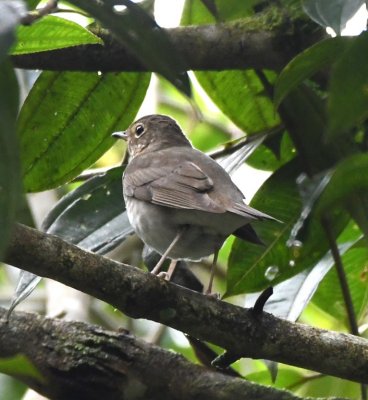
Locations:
{"points": [[180, 201]]}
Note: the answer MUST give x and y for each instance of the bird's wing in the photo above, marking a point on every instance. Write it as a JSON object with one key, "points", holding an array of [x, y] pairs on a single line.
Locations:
{"points": [[184, 187]]}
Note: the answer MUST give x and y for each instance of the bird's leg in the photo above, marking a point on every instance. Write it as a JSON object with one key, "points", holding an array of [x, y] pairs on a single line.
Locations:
{"points": [[171, 270], [212, 274], [158, 266]]}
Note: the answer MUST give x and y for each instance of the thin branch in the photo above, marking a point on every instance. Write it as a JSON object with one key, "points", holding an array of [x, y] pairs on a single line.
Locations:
{"points": [[50, 7], [342, 277], [142, 295], [343, 285]]}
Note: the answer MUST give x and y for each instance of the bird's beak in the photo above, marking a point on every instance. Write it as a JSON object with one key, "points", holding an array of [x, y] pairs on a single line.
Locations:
{"points": [[120, 135]]}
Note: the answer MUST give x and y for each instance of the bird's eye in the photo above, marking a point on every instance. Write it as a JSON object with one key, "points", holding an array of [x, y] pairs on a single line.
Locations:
{"points": [[139, 130]]}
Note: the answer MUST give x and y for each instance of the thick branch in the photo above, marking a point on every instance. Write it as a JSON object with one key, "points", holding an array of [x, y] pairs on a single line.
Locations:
{"points": [[142, 295], [80, 361], [217, 47]]}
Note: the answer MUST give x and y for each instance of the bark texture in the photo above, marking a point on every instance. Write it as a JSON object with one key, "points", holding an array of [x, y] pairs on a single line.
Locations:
{"points": [[141, 295], [80, 361], [237, 45]]}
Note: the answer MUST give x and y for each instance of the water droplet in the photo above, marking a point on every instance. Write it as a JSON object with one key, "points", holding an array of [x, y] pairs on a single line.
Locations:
{"points": [[86, 196], [294, 243], [119, 9], [55, 113], [295, 247], [93, 125], [108, 193], [292, 263], [99, 73], [271, 272]]}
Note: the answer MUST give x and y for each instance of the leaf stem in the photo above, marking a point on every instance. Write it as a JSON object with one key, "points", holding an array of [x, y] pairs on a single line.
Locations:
{"points": [[326, 223]]}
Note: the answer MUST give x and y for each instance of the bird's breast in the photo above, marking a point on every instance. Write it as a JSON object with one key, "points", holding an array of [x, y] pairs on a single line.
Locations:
{"points": [[157, 226]]}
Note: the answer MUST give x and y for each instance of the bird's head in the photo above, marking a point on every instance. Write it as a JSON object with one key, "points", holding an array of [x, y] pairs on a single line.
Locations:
{"points": [[152, 133]]}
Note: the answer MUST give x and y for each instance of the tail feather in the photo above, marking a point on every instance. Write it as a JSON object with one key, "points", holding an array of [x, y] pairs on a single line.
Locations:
{"points": [[247, 233]]}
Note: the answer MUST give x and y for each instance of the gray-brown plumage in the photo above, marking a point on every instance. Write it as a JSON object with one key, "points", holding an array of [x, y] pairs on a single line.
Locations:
{"points": [[171, 190]]}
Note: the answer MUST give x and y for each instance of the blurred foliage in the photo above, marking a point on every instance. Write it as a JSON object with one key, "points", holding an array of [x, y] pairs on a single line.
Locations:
{"points": [[316, 160]]}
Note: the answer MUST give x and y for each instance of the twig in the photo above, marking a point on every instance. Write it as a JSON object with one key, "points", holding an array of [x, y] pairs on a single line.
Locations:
{"points": [[34, 15], [326, 223], [341, 275]]}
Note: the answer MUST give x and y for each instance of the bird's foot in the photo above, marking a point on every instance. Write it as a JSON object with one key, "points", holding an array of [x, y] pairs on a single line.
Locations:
{"points": [[212, 295], [163, 275]]}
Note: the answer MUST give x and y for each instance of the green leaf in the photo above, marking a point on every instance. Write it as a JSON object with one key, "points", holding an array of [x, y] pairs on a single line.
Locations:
{"points": [[348, 98], [20, 365], [212, 8], [50, 33], [307, 63], [290, 297], [67, 119], [143, 37], [239, 94], [254, 112], [303, 113], [10, 182], [328, 296], [332, 13], [348, 179], [264, 156], [11, 388], [252, 268]]}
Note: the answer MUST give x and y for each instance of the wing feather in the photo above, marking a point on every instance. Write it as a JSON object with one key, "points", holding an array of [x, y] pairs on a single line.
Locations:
{"points": [[186, 187]]}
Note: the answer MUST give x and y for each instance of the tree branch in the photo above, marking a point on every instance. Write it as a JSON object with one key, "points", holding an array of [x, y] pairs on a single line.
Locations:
{"points": [[84, 361], [236, 45], [142, 295]]}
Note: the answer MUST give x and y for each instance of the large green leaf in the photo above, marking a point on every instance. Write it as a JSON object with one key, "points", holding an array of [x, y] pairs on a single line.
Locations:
{"points": [[348, 179], [348, 98], [252, 268], [143, 37], [67, 119], [307, 63], [241, 96], [50, 33], [10, 184], [304, 115], [329, 297], [290, 297], [11, 388]]}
